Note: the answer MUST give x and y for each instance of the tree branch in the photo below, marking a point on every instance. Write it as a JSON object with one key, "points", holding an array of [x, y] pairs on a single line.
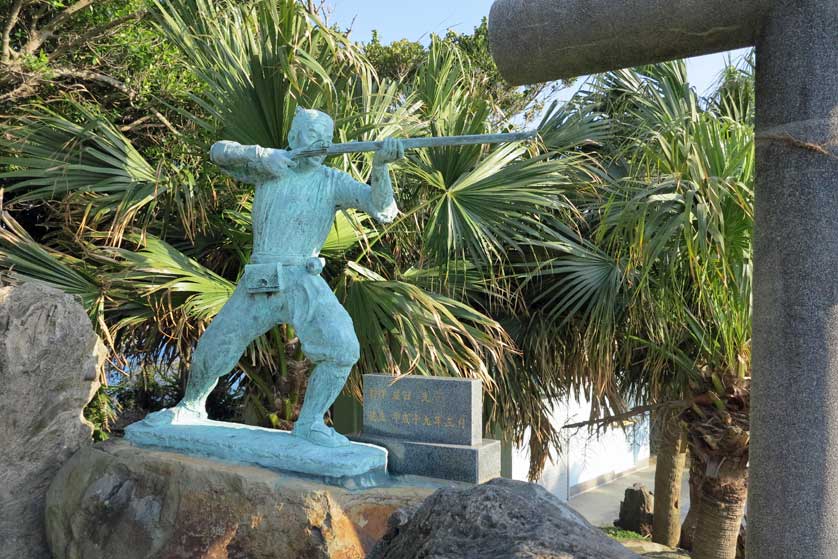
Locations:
{"points": [[90, 75], [164, 120], [35, 18], [97, 32], [11, 21], [64, 15], [131, 125], [115, 83], [27, 88], [639, 410], [38, 36]]}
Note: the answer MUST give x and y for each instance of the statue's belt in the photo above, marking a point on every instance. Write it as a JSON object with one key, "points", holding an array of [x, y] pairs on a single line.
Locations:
{"points": [[267, 275]]}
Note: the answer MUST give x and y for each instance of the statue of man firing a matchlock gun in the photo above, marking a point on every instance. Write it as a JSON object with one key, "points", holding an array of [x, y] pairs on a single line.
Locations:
{"points": [[293, 210]]}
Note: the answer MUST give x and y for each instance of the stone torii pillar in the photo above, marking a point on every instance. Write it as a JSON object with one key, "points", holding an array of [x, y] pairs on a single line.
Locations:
{"points": [[793, 497]]}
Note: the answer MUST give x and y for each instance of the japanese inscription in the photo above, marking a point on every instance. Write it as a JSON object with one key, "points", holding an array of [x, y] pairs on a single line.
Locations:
{"points": [[428, 409]]}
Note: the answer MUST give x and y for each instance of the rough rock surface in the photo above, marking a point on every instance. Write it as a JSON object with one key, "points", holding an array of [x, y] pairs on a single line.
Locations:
{"points": [[498, 519], [114, 500], [49, 363], [636, 510]]}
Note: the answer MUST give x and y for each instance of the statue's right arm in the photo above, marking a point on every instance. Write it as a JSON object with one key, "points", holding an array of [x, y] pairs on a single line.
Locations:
{"points": [[252, 164]]}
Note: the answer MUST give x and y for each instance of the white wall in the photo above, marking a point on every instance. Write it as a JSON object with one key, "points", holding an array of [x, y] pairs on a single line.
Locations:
{"points": [[585, 456]]}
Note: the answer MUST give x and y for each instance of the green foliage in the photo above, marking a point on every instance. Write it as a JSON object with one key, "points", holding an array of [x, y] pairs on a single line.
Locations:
{"points": [[55, 157], [397, 61], [735, 95], [654, 290], [508, 100], [36, 63], [426, 333], [401, 60], [257, 62], [101, 411], [621, 535]]}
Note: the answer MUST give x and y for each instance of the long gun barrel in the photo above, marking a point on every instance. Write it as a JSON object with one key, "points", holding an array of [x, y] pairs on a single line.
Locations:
{"points": [[413, 143]]}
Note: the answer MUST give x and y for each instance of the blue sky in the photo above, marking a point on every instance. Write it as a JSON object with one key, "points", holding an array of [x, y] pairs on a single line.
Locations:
{"points": [[416, 19]]}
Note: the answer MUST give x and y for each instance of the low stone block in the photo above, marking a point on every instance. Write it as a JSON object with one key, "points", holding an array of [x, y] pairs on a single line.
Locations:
{"points": [[468, 463], [428, 409], [269, 448]]}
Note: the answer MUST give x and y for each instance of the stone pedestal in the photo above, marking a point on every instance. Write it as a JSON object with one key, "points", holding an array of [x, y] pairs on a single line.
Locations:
{"points": [[115, 500], [429, 409]]}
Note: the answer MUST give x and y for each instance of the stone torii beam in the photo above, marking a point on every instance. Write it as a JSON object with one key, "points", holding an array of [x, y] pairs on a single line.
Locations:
{"points": [[793, 497]]}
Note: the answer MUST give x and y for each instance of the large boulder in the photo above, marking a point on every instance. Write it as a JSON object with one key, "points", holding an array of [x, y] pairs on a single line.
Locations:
{"points": [[115, 500], [499, 519], [50, 360]]}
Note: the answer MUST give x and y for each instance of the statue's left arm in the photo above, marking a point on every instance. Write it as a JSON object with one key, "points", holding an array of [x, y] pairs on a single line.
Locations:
{"points": [[377, 200]]}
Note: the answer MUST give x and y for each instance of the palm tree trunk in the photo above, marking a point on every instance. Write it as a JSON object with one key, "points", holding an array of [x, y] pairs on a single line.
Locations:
{"points": [[688, 528], [719, 517], [666, 524]]}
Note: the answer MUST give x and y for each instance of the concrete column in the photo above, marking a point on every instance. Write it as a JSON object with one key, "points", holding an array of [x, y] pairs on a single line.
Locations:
{"points": [[793, 492]]}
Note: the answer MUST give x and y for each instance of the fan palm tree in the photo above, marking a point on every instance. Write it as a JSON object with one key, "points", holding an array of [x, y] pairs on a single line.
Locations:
{"points": [[651, 297]]}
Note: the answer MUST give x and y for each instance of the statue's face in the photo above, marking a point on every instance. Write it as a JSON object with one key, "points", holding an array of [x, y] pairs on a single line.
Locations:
{"points": [[309, 135]]}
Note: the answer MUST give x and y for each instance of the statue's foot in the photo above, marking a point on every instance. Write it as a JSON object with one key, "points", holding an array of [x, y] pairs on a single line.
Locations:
{"points": [[181, 414], [321, 435]]}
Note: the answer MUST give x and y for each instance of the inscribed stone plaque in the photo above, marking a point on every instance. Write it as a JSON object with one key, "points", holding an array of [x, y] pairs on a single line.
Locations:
{"points": [[426, 409]]}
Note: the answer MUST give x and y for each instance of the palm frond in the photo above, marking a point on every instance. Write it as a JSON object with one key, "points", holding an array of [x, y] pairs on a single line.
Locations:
{"points": [[87, 163], [257, 62], [406, 330], [158, 268], [25, 259]]}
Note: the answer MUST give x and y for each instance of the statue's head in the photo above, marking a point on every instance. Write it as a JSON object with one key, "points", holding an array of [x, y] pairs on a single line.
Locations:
{"points": [[310, 128]]}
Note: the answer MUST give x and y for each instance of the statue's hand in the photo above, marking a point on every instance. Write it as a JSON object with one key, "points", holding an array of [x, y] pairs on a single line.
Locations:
{"points": [[392, 150], [279, 160]]}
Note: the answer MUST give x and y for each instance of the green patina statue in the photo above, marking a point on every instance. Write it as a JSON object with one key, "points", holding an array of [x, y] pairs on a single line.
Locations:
{"points": [[293, 212]]}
